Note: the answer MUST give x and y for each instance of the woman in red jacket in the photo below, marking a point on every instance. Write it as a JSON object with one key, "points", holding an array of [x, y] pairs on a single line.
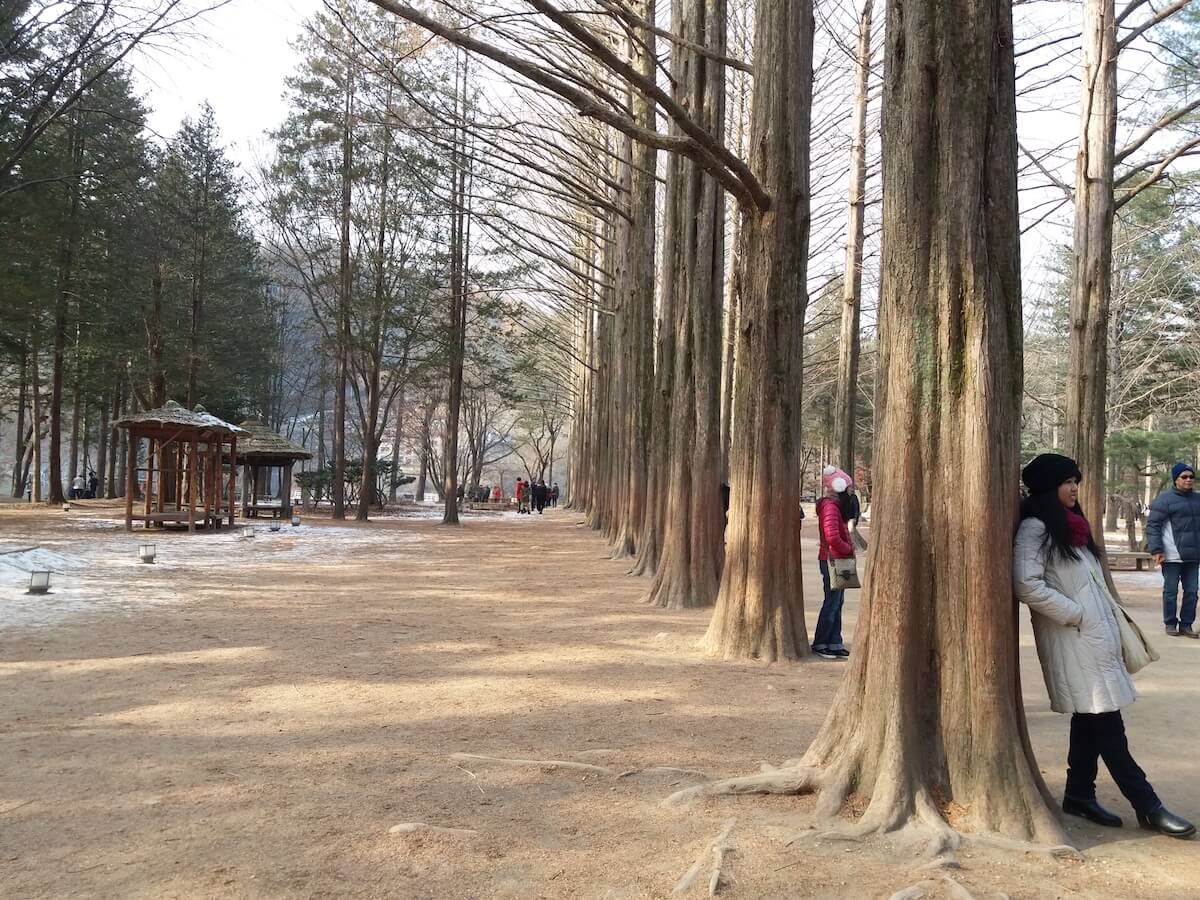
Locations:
{"points": [[833, 512]]}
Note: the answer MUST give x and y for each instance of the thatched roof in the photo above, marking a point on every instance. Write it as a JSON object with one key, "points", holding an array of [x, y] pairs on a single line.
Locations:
{"points": [[260, 443], [172, 415]]}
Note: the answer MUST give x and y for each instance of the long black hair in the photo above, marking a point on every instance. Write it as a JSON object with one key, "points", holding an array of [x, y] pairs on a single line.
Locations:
{"points": [[1047, 507], [845, 502]]}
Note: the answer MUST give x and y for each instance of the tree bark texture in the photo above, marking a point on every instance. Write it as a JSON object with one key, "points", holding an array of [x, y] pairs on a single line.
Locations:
{"points": [[1091, 271], [18, 481], [345, 286], [689, 567], [35, 386], [846, 414], [371, 431], [68, 252], [459, 237], [760, 607], [930, 713]]}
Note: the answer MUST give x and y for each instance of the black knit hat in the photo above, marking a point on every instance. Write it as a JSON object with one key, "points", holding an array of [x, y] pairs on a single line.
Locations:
{"points": [[1048, 471]]}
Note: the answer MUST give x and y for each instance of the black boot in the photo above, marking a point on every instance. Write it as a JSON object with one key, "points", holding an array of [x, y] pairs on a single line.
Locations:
{"points": [[1092, 811], [1166, 822]]}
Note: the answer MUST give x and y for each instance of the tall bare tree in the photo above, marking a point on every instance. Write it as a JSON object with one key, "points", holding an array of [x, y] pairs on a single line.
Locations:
{"points": [[934, 685]]}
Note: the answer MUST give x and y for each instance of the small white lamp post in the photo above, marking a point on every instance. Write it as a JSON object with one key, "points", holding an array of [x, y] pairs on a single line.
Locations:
{"points": [[275, 526], [66, 507], [295, 519], [39, 582], [146, 552]]}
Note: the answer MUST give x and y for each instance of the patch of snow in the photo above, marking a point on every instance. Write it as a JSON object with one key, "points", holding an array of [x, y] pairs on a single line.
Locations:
{"points": [[96, 565]]}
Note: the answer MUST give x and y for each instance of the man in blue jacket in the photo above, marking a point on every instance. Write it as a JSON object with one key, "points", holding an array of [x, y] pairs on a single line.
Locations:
{"points": [[1173, 534]]}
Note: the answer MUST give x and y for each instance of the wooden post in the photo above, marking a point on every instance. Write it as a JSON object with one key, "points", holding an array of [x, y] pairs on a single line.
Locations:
{"points": [[149, 479], [285, 490], [245, 492], [131, 443], [162, 458], [194, 450], [179, 452], [208, 481], [232, 477]]}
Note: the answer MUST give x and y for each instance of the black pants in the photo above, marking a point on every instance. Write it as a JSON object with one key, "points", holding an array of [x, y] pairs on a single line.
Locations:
{"points": [[1096, 736]]}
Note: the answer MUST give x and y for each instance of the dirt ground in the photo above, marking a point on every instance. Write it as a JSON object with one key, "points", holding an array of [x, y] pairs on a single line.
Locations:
{"points": [[251, 717]]}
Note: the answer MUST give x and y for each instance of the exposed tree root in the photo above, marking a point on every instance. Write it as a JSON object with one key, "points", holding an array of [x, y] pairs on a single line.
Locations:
{"points": [[411, 827], [914, 892], [576, 766], [663, 770], [715, 852], [957, 891], [538, 763], [781, 781], [895, 807], [999, 842]]}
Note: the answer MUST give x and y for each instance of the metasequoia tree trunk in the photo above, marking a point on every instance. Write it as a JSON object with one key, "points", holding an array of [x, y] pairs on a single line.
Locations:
{"points": [[582, 476], [35, 490], [930, 714], [689, 567], [1091, 272], [119, 439], [397, 434], [371, 428], [734, 291], [18, 482], [760, 607], [846, 414], [154, 339], [637, 304], [345, 285], [68, 253], [76, 423], [613, 460], [199, 271], [458, 294]]}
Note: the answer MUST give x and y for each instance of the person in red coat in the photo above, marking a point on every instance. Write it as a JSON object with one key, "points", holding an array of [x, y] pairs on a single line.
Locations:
{"points": [[833, 512]]}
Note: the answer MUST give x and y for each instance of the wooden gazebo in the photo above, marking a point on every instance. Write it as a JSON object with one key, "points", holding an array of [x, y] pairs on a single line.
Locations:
{"points": [[184, 483], [261, 451]]}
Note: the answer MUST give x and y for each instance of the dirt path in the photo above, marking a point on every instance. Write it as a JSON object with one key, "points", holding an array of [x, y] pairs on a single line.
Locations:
{"points": [[250, 718]]}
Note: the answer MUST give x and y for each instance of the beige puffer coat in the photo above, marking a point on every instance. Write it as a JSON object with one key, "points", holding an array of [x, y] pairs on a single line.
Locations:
{"points": [[1078, 642]]}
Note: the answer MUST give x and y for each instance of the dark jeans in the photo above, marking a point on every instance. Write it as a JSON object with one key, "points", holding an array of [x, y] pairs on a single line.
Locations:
{"points": [[1173, 573], [828, 635], [1102, 735]]}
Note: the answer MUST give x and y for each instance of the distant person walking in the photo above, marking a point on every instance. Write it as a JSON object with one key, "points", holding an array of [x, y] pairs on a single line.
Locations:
{"points": [[77, 488], [833, 512], [1058, 575], [554, 495], [497, 494], [1173, 534], [541, 494], [93, 484], [522, 496]]}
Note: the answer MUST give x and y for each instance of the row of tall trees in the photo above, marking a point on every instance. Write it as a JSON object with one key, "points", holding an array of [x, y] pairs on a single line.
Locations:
{"points": [[936, 648]]}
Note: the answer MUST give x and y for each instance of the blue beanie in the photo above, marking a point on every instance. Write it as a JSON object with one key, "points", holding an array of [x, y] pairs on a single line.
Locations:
{"points": [[1179, 468]]}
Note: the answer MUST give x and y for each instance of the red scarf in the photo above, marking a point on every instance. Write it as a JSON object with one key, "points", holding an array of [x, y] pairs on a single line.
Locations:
{"points": [[1079, 529]]}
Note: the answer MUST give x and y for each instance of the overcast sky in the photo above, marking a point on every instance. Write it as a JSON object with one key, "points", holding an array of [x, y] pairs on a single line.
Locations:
{"points": [[237, 63]]}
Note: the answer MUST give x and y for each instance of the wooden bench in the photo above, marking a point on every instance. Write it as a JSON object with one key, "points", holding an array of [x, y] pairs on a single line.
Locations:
{"points": [[254, 510], [488, 504], [1130, 559], [178, 517]]}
